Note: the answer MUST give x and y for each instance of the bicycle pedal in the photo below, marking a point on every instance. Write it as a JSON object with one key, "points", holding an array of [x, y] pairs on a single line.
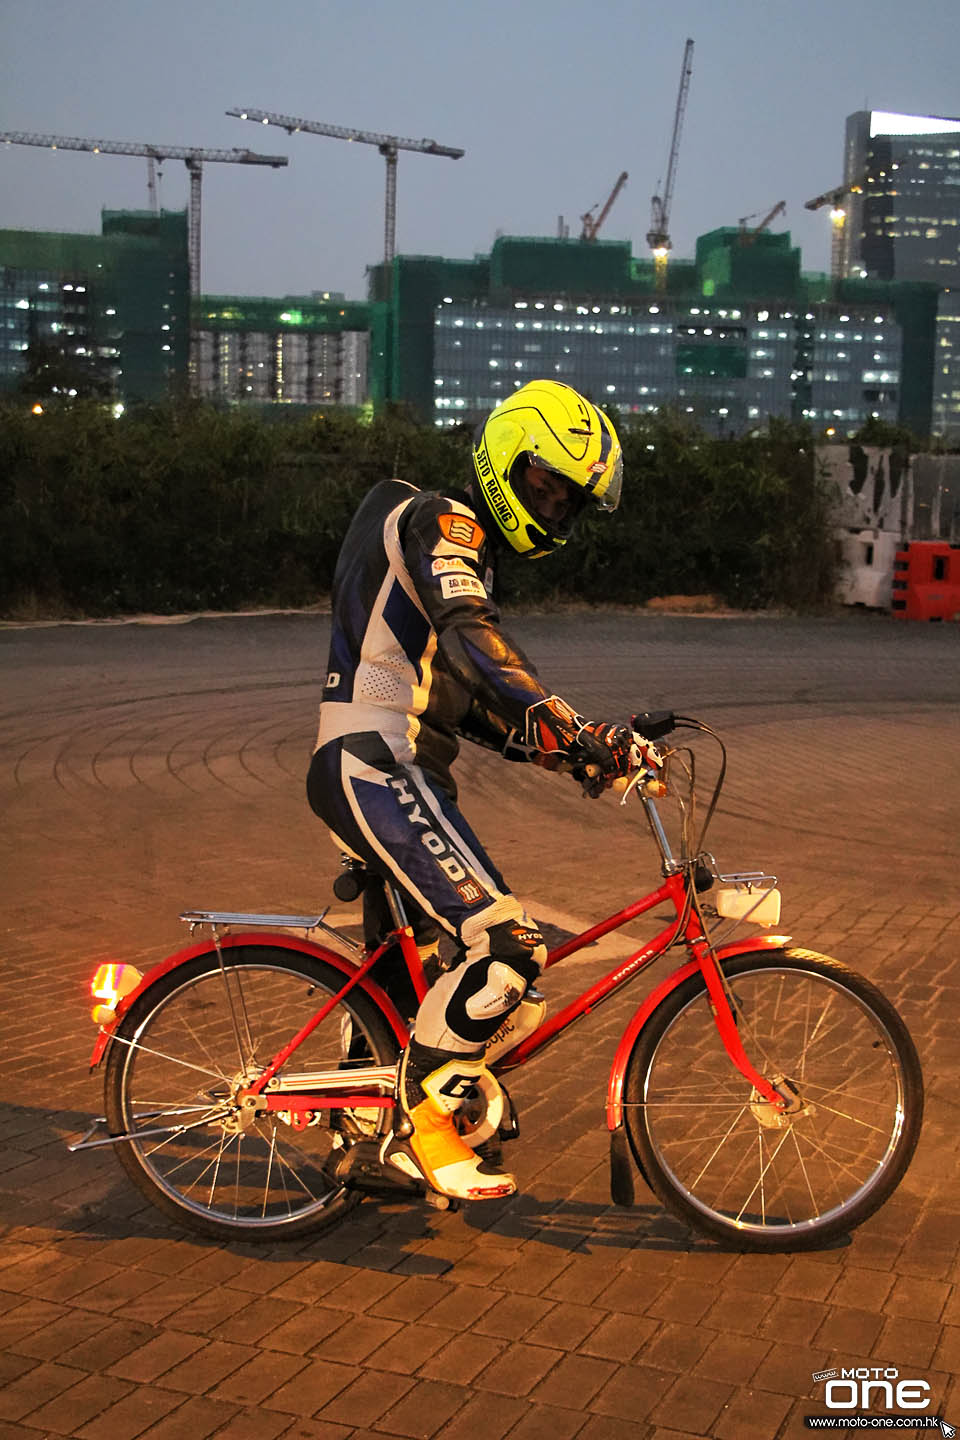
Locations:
{"points": [[436, 1201], [360, 1168]]}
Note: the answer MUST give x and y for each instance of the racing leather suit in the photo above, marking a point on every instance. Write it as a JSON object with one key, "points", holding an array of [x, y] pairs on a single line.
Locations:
{"points": [[418, 658]]}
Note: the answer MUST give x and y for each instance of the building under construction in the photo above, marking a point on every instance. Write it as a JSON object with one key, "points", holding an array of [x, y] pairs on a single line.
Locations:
{"points": [[299, 350], [116, 306], [730, 338], [733, 337]]}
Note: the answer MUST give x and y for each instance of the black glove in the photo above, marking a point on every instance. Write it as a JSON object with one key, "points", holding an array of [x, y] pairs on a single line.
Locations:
{"points": [[605, 745], [605, 753], [557, 738]]}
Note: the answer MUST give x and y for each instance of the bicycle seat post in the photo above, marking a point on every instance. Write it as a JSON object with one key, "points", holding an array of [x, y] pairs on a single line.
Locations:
{"points": [[395, 906]]}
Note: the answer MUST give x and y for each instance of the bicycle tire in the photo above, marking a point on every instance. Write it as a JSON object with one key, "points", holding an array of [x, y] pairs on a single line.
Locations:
{"points": [[720, 1158], [175, 1056]]}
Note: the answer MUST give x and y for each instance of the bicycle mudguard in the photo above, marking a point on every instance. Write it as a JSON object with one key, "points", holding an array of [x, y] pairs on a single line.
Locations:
{"points": [[253, 940], [618, 1070]]}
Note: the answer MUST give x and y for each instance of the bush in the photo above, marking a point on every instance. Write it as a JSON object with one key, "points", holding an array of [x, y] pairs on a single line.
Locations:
{"points": [[183, 506]]}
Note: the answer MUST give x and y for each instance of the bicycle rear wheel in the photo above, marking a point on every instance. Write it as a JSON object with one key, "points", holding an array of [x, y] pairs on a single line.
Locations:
{"points": [[726, 1161], [189, 1043]]}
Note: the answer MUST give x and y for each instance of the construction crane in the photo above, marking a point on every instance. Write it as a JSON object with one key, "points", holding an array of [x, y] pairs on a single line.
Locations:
{"points": [[747, 237], [838, 220], [590, 225], [388, 145], [194, 158], [658, 236]]}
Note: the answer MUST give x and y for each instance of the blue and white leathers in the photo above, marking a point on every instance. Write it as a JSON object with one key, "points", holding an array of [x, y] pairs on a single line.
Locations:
{"points": [[418, 659]]}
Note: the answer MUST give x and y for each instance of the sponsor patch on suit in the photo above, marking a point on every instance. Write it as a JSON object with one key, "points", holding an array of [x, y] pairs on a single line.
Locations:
{"points": [[451, 585], [461, 530]]}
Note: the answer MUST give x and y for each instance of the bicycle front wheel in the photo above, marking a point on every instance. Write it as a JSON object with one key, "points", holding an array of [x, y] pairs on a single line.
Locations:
{"points": [[190, 1043], [725, 1160]]}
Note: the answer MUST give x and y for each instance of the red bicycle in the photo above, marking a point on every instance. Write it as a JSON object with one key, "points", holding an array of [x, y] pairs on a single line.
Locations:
{"points": [[769, 1096]]}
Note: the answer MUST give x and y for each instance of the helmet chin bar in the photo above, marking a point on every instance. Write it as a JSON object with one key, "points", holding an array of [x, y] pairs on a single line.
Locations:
{"points": [[541, 544]]}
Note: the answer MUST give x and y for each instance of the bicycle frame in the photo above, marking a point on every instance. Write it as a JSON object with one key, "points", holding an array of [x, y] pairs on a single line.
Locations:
{"points": [[371, 1088]]}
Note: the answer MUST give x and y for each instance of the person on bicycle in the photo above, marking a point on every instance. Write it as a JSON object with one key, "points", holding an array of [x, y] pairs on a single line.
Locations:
{"points": [[418, 658]]}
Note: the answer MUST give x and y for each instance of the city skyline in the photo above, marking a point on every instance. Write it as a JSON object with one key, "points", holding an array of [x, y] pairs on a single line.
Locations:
{"points": [[548, 115]]}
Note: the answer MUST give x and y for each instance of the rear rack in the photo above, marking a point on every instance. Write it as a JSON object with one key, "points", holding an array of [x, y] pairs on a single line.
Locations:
{"points": [[224, 919]]}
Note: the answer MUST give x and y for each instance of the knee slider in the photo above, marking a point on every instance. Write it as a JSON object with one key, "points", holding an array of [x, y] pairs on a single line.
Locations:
{"points": [[502, 992], [517, 951], [519, 944]]}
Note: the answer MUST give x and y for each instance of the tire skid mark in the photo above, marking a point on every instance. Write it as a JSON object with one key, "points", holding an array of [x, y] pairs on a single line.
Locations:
{"points": [[268, 749]]}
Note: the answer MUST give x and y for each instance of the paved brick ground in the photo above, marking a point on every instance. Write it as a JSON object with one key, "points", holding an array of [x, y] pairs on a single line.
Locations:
{"points": [[145, 769]]}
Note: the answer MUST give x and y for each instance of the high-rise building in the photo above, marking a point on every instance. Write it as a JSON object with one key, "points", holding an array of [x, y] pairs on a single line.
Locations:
{"points": [[115, 307], [739, 334], [904, 224]]}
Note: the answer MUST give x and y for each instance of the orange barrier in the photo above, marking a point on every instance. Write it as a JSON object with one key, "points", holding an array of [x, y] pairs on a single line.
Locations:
{"points": [[926, 584]]}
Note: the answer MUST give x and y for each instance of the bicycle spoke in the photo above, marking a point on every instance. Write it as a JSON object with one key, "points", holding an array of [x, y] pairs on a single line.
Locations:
{"points": [[854, 1119], [180, 1131], [173, 1059], [713, 1156], [763, 1170]]}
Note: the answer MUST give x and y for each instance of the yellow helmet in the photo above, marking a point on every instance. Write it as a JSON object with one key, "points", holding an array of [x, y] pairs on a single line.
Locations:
{"points": [[546, 426]]}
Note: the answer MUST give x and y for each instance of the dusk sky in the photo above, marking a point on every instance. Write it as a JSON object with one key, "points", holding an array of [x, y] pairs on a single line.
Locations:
{"points": [[549, 99]]}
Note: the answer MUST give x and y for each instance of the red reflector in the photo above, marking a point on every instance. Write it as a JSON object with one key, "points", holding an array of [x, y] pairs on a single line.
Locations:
{"points": [[109, 985]]}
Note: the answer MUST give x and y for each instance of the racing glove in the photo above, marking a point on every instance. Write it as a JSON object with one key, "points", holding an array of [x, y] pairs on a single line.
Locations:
{"points": [[557, 738], [606, 752]]}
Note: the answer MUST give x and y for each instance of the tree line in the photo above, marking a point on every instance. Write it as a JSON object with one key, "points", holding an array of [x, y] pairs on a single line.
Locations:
{"points": [[183, 506]]}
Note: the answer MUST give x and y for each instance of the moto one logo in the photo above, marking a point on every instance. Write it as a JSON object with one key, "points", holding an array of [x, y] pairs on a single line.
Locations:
{"points": [[429, 839], [863, 1386]]}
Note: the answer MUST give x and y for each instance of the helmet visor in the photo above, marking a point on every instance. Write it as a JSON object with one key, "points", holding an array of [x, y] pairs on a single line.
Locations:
{"points": [[554, 501], [609, 497]]}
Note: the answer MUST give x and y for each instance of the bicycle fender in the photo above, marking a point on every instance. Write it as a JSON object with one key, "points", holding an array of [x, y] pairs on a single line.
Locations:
{"points": [[252, 940], [618, 1070]]}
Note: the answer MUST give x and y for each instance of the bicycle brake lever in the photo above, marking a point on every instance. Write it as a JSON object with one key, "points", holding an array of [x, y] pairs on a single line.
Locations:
{"points": [[651, 782]]}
